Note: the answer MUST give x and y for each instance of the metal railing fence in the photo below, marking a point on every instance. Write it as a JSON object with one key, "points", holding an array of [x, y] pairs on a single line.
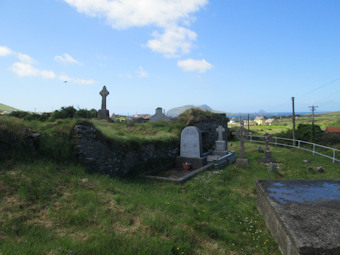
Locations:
{"points": [[318, 149]]}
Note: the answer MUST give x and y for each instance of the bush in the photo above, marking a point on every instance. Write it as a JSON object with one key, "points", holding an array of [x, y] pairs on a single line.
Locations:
{"points": [[86, 114], [194, 115], [304, 132], [64, 113]]}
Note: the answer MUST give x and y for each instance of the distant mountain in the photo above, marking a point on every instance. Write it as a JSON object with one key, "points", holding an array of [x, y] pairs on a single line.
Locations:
{"points": [[261, 112], [4, 107], [205, 107], [179, 110]]}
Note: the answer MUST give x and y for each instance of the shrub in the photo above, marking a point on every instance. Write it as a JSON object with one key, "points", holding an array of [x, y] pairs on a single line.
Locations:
{"points": [[64, 113], [86, 114], [194, 115]]}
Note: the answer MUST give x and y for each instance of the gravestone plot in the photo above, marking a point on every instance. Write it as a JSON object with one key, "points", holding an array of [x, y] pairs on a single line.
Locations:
{"points": [[220, 156], [242, 134], [220, 144], [103, 113], [267, 158], [303, 216], [191, 148], [191, 142]]}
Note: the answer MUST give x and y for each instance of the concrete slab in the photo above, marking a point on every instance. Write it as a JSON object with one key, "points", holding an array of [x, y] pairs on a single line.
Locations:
{"points": [[303, 216], [178, 175]]}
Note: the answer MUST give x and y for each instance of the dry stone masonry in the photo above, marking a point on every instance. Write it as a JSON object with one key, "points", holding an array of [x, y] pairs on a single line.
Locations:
{"points": [[114, 159]]}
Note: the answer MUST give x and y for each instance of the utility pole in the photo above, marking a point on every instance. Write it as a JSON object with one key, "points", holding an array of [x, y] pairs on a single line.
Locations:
{"points": [[313, 108], [293, 121]]}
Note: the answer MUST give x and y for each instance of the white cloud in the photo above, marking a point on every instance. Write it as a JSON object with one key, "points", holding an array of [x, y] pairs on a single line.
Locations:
{"points": [[24, 58], [83, 82], [66, 78], [25, 69], [173, 41], [192, 65], [126, 76], [130, 13], [4, 51], [165, 14], [66, 59], [141, 72]]}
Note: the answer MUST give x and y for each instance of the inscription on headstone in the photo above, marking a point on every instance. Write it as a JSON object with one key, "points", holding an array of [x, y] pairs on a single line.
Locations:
{"points": [[191, 142]]}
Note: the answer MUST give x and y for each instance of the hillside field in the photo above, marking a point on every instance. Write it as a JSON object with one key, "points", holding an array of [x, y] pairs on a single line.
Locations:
{"points": [[50, 205]]}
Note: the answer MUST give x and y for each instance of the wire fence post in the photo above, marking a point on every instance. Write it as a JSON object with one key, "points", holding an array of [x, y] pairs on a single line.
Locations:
{"points": [[313, 148], [334, 153], [299, 144]]}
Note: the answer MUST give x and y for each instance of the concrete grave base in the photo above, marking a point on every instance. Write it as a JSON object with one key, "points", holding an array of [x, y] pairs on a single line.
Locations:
{"points": [[268, 157], [303, 216], [217, 160], [220, 148], [195, 162], [242, 162]]}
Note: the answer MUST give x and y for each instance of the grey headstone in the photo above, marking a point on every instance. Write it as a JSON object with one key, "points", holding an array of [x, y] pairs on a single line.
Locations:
{"points": [[260, 149], [191, 142], [319, 169], [220, 144]]}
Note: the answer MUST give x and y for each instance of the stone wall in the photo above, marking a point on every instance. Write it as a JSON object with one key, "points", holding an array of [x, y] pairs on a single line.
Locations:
{"points": [[108, 157], [208, 129]]}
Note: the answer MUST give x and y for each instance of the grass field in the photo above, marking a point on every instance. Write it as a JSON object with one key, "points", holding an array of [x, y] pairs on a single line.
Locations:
{"points": [[54, 208], [322, 119], [6, 108]]}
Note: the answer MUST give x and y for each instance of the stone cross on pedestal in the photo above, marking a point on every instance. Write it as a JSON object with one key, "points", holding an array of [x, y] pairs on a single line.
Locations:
{"points": [[267, 138], [242, 134], [220, 131], [103, 113], [104, 93], [267, 158], [220, 144]]}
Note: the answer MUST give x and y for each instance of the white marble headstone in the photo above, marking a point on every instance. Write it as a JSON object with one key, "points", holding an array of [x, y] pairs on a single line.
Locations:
{"points": [[191, 142]]}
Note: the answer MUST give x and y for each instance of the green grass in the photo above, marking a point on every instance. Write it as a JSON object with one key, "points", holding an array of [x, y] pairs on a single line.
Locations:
{"points": [[50, 205], [56, 208], [140, 132], [4, 107], [322, 119]]}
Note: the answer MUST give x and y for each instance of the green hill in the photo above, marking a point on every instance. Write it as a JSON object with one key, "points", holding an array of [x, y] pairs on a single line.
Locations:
{"points": [[4, 107]]}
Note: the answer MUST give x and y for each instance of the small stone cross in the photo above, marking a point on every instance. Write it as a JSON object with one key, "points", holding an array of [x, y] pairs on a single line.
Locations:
{"points": [[220, 131], [241, 134], [267, 138], [104, 93]]}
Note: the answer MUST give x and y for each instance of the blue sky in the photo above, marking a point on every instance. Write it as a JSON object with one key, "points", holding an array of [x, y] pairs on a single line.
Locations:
{"points": [[235, 56]]}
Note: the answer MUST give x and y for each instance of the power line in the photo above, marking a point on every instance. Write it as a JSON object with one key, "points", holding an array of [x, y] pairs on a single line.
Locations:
{"points": [[324, 85]]}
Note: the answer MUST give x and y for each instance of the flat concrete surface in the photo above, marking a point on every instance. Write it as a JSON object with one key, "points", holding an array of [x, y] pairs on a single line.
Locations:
{"points": [[303, 216], [177, 175]]}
